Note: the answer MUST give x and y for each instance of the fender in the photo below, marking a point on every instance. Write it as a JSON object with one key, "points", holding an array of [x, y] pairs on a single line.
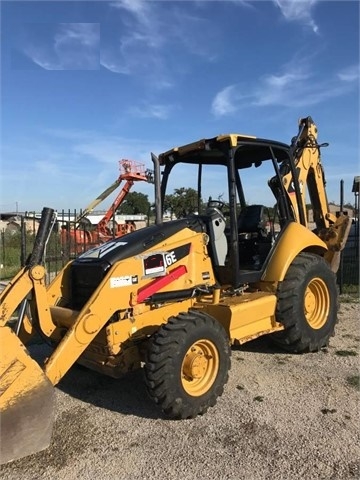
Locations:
{"points": [[294, 239]]}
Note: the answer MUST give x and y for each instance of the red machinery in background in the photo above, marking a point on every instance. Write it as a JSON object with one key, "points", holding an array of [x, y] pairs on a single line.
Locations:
{"points": [[79, 235]]}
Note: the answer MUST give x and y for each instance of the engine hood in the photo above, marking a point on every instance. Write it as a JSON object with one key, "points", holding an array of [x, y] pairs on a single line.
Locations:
{"points": [[137, 242]]}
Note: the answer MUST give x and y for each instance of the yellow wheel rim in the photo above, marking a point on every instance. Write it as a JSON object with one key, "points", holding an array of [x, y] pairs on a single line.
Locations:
{"points": [[199, 368], [316, 303]]}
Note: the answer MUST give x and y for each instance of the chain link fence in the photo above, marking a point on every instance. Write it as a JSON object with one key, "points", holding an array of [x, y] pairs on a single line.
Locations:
{"points": [[68, 240], [348, 273]]}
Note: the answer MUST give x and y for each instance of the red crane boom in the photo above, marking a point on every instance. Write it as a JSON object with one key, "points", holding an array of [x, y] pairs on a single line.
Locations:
{"points": [[130, 172]]}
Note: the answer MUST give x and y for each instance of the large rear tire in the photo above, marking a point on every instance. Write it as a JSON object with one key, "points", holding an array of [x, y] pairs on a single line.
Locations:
{"points": [[187, 364], [307, 305]]}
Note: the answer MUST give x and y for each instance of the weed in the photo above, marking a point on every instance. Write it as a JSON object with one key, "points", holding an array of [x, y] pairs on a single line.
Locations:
{"points": [[354, 381], [346, 353], [259, 398], [351, 297], [325, 411]]}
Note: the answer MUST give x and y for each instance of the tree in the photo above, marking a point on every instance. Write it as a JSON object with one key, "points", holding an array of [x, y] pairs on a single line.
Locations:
{"points": [[182, 202], [169, 205], [135, 203]]}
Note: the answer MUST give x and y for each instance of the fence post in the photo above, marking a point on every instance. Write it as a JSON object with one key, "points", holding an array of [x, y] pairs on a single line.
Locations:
{"points": [[341, 275], [2, 250], [22, 241]]}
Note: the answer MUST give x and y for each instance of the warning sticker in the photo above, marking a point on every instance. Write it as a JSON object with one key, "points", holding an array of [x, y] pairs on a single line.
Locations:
{"points": [[125, 281]]}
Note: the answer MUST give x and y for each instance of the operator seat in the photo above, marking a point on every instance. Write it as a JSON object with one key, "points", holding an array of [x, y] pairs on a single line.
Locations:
{"points": [[254, 240], [216, 223], [251, 220]]}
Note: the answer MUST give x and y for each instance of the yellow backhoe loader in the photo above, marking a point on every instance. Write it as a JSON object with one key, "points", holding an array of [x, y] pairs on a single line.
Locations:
{"points": [[173, 297]]}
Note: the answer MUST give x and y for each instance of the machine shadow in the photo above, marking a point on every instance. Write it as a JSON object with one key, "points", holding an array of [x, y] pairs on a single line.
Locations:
{"points": [[126, 395], [261, 345]]}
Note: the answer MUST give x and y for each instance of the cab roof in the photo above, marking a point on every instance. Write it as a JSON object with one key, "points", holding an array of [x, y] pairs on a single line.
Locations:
{"points": [[248, 150]]}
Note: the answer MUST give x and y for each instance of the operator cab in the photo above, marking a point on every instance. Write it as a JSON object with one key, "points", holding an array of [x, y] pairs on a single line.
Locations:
{"points": [[247, 219]]}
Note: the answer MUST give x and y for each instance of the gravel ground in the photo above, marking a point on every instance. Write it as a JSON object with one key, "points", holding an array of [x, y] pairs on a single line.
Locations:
{"points": [[282, 416]]}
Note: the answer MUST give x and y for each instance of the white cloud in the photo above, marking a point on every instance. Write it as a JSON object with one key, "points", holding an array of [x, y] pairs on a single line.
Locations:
{"points": [[350, 74], [73, 46], [223, 103], [137, 7], [293, 87], [280, 81], [298, 11], [135, 48], [280, 89], [41, 57], [86, 34], [148, 35], [158, 111], [109, 60]]}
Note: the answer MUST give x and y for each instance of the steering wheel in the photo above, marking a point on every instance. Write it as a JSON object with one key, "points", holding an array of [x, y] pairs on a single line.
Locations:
{"points": [[220, 205], [216, 207]]}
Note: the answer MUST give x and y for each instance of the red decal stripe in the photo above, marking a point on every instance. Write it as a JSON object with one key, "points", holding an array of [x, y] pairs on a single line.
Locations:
{"points": [[158, 283]]}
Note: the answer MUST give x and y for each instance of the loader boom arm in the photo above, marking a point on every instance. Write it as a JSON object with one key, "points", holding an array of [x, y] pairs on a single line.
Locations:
{"points": [[26, 394], [31, 276]]}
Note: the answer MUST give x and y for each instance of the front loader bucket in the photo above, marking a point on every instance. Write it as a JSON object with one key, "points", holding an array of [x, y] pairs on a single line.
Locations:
{"points": [[26, 401]]}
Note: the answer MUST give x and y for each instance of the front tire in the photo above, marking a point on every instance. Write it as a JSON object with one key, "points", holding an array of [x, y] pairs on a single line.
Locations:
{"points": [[307, 305], [187, 364]]}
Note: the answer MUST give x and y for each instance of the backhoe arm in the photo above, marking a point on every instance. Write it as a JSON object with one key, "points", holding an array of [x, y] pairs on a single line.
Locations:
{"points": [[310, 174], [332, 229]]}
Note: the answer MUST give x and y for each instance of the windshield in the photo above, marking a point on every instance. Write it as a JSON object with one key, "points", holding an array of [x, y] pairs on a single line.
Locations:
{"points": [[203, 175]]}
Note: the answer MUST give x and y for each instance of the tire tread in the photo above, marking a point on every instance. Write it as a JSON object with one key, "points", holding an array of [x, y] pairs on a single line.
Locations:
{"points": [[164, 347]]}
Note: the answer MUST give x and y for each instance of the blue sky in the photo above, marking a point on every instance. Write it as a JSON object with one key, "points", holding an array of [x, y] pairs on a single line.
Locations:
{"points": [[85, 84]]}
